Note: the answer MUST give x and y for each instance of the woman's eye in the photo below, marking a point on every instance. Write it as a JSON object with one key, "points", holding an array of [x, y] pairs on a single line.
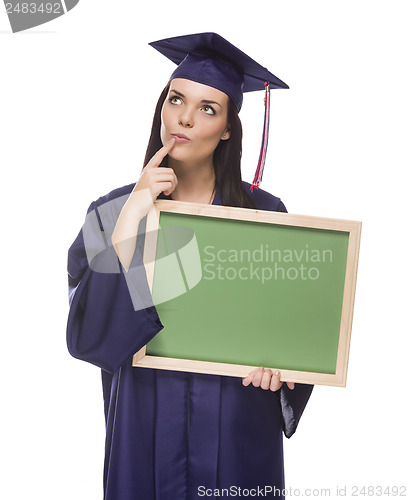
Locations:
{"points": [[175, 100], [209, 110]]}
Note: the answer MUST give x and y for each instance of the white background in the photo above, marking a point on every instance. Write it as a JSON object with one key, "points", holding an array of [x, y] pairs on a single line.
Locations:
{"points": [[76, 100]]}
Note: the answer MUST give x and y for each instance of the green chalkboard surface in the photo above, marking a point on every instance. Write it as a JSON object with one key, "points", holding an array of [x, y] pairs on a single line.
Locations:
{"points": [[266, 295]]}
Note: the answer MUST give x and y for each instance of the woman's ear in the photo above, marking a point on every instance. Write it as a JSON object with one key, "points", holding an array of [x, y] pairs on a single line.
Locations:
{"points": [[226, 135]]}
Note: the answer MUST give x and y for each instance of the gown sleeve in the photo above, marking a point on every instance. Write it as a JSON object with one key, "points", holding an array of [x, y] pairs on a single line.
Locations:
{"points": [[292, 403], [111, 313]]}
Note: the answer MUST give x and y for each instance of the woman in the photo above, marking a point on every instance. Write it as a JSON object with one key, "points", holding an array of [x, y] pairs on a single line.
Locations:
{"points": [[175, 435]]}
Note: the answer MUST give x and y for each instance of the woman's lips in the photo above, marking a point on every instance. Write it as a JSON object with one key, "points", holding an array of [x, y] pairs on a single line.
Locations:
{"points": [[181, 138]]}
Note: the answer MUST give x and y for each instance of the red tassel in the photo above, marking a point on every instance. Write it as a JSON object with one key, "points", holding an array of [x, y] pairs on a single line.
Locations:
{"points": [[264, 145]]}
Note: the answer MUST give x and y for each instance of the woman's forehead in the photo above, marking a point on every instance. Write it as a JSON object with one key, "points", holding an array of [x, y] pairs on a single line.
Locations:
{"points": [[198, 91]]}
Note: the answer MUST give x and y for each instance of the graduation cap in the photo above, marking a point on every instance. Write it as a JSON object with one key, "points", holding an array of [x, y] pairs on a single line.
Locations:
{"points": [[209, 59]]}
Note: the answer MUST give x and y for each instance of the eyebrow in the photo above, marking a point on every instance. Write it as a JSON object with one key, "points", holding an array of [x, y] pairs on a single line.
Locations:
{"points": [[204, 101]]}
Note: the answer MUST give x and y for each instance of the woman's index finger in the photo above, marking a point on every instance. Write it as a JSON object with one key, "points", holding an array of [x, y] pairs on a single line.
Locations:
{"points": [[161, 153]]}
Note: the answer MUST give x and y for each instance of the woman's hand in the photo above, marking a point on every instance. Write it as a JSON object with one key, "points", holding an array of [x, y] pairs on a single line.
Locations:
{"points": [[265, 379], [153, 180], [158, 179]]}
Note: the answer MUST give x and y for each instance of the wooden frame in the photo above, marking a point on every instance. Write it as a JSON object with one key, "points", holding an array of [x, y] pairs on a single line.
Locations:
{"points": [[353, 228]]}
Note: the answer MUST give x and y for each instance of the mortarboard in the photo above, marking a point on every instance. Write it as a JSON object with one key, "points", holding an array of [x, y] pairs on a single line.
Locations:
{"points": [[209, 59]]}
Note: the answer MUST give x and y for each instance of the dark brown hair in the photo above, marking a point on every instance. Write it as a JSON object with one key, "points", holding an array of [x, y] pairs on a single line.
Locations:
{"points": [[227, 157]]}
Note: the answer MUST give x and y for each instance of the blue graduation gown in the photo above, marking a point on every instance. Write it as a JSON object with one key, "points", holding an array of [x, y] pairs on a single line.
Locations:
{"points": [[172, 435]]}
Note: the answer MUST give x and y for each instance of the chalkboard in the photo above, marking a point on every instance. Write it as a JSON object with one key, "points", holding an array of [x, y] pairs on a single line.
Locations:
{"points": [[238, 288]]}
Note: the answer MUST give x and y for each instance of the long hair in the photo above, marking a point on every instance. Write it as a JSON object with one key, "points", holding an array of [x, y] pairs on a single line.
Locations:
{"points": [[227, 157]]}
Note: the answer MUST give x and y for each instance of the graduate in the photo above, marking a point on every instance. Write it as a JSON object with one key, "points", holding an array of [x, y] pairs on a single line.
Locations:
{"points": [[173, 435]]}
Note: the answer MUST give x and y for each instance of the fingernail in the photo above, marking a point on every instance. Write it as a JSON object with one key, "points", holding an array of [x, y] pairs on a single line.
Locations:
{"points": [[277, 372]]}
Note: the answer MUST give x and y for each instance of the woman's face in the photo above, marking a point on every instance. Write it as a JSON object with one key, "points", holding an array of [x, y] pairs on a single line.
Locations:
{"points": [[196, 115]]}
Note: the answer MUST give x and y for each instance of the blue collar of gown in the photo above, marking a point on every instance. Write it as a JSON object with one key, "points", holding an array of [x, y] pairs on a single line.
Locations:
{"points": [[216, 201]]}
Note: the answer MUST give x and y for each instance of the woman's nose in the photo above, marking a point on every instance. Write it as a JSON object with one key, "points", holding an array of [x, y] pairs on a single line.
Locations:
{"points": [[186, 118]]}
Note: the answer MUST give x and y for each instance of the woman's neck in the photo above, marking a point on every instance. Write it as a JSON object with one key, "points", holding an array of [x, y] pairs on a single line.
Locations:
{"points": [[196, 183]]}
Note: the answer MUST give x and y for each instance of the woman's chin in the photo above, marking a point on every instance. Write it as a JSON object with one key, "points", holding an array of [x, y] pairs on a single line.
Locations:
{"points": [[177, 154]]}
